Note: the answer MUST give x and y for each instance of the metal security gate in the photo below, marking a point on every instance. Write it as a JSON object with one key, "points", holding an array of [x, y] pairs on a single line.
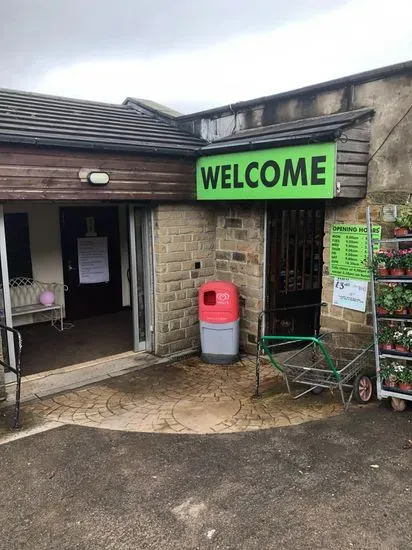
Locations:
{"points": [[294, 265]]}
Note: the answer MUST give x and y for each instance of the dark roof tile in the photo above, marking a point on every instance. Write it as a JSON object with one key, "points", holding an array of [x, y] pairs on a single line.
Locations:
{"points": [[55, 121]]}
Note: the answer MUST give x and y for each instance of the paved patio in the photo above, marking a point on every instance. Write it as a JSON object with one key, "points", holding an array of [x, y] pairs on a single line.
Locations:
{"points": [[188, 396]]}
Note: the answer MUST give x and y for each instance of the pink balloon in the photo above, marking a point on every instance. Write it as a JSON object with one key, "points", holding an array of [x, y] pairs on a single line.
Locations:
{"points": [[47, 298]]}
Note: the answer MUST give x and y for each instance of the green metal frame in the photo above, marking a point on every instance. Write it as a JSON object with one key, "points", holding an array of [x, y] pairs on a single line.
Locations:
{"points": [[309, 339]]}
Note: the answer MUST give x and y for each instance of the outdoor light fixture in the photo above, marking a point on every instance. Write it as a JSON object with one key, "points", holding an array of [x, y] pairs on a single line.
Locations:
{"points": [[98, 178]]}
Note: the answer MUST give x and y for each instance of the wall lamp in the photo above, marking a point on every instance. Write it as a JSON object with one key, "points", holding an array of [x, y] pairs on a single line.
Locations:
{"points": [[94, 177], [98, 178]]}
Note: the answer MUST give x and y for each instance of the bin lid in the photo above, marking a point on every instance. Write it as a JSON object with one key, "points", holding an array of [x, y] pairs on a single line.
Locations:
{"points": [[218, 302]]}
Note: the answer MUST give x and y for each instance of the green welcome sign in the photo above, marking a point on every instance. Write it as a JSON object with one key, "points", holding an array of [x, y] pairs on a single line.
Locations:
{"points": [[298, 172]]}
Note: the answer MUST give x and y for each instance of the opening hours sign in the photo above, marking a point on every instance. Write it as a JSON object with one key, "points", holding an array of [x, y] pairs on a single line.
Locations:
{"points": [[349, 251]]}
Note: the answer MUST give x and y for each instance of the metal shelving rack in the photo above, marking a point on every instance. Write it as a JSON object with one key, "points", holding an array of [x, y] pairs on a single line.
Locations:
{"points": [[382, 392]]}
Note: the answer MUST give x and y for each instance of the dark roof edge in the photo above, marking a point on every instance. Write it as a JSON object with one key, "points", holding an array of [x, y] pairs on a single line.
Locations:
{"points": [[233, 147], [145, 109], [366, 76], [118, 148], [159, 115]]}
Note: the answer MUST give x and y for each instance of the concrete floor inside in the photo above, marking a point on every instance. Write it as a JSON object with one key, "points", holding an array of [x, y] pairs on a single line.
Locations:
{"points": [[45, 348]]}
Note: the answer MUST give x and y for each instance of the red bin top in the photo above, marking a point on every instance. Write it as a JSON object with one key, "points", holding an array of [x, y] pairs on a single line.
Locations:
{"points": [[218, 302]]}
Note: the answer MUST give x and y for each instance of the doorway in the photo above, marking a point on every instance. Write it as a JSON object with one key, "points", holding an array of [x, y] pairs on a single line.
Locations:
{"points": [[294, 266], [102, 253], [90, 243]]}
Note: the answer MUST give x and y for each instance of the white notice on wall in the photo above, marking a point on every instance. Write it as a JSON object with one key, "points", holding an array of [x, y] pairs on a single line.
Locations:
{"points": [[350, 293], [93, 260]]}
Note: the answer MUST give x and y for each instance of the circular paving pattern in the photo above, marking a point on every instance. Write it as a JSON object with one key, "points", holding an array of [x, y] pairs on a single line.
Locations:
{"points": [[188, 396]]}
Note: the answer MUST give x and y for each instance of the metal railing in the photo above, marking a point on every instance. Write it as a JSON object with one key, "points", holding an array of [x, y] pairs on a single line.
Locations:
{"points": [[4, 330]]}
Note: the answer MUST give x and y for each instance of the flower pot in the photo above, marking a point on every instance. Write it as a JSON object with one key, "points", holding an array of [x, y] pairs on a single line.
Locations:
{"points": [[409, 310], [401, 311], [381, 311], [405, 386], [383, 272], [400, 348], [389, 383], [401, 232], [409, 272], [386, 347], [397, 272]]}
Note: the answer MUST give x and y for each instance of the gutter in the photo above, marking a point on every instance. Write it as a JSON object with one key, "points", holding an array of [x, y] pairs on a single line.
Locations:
{"points": [[96, 146], [320, 137]]}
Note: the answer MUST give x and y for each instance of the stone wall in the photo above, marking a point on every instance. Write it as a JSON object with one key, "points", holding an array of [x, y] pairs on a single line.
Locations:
{"points": [[240, 259], [228, 243], [184, 251]]}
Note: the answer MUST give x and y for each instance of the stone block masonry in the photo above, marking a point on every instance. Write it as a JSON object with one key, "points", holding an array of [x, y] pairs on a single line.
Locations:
{"points": [[184, 251], [197, 243], [240, 259]]}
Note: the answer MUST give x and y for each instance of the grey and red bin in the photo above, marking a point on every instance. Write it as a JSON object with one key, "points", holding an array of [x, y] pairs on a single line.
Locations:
{"points": [[219, 322]]}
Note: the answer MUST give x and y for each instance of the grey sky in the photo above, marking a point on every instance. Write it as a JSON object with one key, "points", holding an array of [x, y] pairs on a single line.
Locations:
{"points": [[88, 48]]}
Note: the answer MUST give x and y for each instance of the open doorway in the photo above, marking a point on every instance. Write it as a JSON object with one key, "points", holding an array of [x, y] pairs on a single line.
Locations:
{"points": [[88, 251]]}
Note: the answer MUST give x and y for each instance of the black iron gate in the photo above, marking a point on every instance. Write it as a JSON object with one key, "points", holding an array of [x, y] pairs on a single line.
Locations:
{"points": [[294, 266]]}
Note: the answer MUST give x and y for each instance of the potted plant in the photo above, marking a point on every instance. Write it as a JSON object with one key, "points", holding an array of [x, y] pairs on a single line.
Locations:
{"points": [[384, 300], [398, 338], [400, 300], [387, 373], [405, 379], [407, 339], [403, 222], [386, 338], [407, 260], [408, 298], [396, 263], [380, 263], [391, 299]]}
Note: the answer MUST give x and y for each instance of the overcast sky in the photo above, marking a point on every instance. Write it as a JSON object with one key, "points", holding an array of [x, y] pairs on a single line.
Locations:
{"points": [[195, 54]]}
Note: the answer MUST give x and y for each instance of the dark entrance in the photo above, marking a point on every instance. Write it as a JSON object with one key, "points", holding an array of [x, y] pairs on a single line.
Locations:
{"points": [[88, 300], [294, 267]]}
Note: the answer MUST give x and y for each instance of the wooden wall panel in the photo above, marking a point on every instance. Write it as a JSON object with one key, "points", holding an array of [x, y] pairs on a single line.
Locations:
{"points": [[29, 173], [352, 162]]}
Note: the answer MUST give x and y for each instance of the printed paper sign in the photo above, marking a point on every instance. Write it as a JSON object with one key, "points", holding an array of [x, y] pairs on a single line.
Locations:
{"points": [[350, 293], [93, 260]]}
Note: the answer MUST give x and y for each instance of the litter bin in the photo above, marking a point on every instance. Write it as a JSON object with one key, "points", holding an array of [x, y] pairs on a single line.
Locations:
{"points": [[219, 322]]}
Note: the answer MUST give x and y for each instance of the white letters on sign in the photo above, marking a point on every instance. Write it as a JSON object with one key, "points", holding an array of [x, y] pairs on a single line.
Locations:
{"points": [[350, 293], [222, 298], [93, 260]]}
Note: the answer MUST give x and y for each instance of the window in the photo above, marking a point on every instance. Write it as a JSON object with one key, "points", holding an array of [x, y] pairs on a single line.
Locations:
{"points": [[18, 245]]}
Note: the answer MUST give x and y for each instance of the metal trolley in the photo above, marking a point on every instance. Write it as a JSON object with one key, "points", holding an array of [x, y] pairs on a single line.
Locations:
{"points": [[335, 360]]}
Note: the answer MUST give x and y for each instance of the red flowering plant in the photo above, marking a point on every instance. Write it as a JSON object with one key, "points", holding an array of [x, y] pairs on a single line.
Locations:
{"points": [[406, 258], [381, 262]]}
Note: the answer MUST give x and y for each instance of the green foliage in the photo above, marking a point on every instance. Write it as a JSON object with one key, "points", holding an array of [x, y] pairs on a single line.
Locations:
{"points": [[391, 297]]}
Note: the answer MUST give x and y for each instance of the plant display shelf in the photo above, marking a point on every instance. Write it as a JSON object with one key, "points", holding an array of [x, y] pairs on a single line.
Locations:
{"points": [[383, 390], [389, 279], [394, 240], [395, 392], [395, 355], [389, 317]]}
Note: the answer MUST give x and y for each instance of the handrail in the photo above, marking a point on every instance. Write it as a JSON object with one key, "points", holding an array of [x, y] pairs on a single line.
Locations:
{"points": [[308, 339], [276, 309], [18, 344]]}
